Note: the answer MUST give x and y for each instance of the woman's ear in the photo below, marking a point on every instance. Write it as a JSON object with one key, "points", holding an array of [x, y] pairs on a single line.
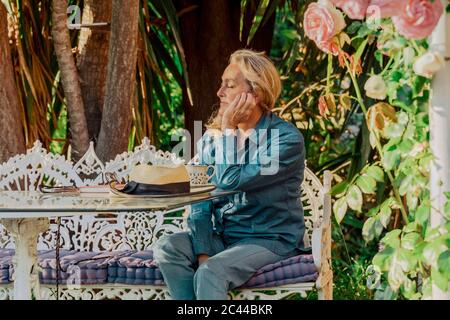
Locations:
{"points": [[257, 97]]}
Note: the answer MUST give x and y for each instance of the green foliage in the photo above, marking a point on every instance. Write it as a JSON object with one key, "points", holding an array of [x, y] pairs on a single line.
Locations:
{"points": [[411, 250]]}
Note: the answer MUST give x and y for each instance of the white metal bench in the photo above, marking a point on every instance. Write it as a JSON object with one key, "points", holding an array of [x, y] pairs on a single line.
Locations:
{"points": [[140, 230]]}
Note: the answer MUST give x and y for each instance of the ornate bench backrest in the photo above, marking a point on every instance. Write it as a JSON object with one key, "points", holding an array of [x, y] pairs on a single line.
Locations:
{"points": [[127, 230]]}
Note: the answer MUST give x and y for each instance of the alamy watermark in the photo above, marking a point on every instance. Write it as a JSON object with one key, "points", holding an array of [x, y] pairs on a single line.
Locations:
{"points": [[74, 18]]}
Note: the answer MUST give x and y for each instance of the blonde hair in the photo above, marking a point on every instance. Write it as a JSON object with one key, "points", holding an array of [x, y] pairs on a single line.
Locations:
{"points": [[262, 76]]}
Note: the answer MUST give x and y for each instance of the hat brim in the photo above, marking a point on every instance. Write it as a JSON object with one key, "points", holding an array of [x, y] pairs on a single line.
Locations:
{"points": [[194, 190]]}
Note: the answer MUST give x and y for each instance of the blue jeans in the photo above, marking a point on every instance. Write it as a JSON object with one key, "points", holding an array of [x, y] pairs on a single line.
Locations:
{"points": [[228, 268]]}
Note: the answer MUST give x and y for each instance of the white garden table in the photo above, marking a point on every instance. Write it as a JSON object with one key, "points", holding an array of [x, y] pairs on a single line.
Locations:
{"points": [[26, 214]]}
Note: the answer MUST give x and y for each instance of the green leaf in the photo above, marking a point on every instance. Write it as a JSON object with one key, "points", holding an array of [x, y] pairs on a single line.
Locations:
{"points": [[376, 172], [372, 212], [396, 275], [418, 84], [404, 95], [353, 28], [354, 198], [439, 279], [339, 189], [363, 31], [412, 200], [447, 210], [289, 34], [410, 227], [340, 209], [372, 228], [352, 220], [422, 214], [406, 146], [431, 234], [385, 293], [396, 76], [382, 258], [360, 50], [407, 259], [405, 185], [393, 130], [263, 13], [432, 252], [391, 159], [392, 238], [172, 18], [444, 264], [385, 215], [410, 240], [366, 183], [408, 288]]}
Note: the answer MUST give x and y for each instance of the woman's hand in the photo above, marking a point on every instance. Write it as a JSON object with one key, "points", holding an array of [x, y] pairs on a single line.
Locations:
{"points": [[202, 258], [238, 111]]}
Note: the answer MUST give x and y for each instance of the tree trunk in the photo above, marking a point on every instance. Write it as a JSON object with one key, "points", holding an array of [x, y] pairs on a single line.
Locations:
{"points": [[12, 139], [92, 62], [120, 84], [69, 80], [209, 34]]}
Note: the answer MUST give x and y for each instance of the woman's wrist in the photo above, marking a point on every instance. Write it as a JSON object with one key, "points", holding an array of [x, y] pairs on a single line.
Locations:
{"points": [[226, 124]]}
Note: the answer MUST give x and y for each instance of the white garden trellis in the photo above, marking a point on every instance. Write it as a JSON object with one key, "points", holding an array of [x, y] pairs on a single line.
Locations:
{"points": [[440, 130]]}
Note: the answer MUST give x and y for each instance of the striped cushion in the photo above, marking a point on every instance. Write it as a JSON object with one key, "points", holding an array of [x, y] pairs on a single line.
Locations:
{"points": [[136, 268], [5, 265], [139, 269], [296, 269], [75, 267]]}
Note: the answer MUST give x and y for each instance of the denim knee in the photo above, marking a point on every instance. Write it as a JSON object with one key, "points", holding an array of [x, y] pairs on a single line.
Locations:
{"points": [[209, 268], [170, 247], [210, 282]]}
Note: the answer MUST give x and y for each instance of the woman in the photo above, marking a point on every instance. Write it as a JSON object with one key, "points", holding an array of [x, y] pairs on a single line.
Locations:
{"points": [[259, 154]]}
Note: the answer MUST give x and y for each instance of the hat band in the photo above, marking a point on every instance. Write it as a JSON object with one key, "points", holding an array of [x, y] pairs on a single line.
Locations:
{"points": [[133, 187]]}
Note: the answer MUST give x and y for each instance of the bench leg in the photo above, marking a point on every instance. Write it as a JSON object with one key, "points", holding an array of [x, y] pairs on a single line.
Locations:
{"points": [[326, 291], [325, 281], [326, 273]]}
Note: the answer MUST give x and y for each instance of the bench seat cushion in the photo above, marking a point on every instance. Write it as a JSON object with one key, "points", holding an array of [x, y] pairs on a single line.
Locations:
{"points": [[75, 266], [137, 268], [297, 269], [6, 265]]}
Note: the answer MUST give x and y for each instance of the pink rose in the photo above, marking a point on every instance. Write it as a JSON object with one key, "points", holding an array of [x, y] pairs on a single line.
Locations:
{"points": [[330, 46], [386, 8], [355, 9], [322, 22], [419, 19]]}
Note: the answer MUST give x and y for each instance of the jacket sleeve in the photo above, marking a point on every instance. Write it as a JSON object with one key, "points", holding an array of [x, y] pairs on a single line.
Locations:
{"points": [[201, 227], [199, 221], [276, 159]]}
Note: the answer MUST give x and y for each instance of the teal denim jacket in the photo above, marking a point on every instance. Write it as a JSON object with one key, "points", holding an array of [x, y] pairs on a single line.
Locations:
{"points": [[268, 172]]}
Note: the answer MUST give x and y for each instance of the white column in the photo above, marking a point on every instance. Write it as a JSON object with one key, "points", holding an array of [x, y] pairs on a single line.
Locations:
{"points": [[440, 130], [26, 273]]}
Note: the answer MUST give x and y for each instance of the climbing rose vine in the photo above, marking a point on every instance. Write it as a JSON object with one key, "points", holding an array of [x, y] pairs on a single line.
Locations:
{"points": [[395, 100]]}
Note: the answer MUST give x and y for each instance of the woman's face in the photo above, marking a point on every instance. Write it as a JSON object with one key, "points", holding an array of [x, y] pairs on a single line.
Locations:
{"points": [[233, 84]]}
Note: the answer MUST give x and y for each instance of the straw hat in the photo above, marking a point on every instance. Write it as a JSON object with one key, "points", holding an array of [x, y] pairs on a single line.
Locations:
{"points": [[157, 181]]}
